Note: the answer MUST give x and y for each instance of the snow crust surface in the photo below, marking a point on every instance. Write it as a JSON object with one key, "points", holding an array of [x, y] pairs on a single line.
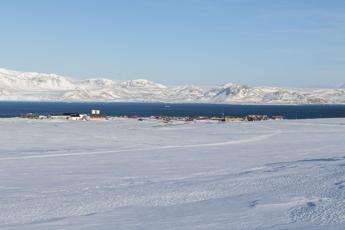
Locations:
{"points": [[125, 174]]}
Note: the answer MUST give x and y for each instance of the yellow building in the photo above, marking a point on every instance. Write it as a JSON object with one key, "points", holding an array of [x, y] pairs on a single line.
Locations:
{"points": [[233, 119]]}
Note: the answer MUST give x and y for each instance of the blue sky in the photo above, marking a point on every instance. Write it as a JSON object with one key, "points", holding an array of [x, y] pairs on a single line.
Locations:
{"points": [[299, 43]]}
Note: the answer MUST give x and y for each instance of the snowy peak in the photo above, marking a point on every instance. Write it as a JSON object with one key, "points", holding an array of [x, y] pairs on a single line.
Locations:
{"points": [[15, 85], [226, 92], [33, 81], [96, 83], [141, 83]]}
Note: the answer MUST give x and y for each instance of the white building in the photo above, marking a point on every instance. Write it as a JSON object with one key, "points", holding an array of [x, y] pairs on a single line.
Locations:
{"points": [[95, 112]]}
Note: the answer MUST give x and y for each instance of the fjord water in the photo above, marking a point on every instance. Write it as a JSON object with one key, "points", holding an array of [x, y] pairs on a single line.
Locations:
{"points": [[14, 109]]}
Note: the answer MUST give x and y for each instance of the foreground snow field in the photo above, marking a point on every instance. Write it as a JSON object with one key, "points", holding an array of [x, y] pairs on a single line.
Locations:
{"points": [[127, 174]]}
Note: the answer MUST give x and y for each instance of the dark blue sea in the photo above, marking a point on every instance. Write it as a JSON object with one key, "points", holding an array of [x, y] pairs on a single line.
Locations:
{"points": [[14, 109]]}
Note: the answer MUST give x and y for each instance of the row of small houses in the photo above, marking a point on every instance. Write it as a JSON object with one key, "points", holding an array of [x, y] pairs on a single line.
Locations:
{"points": [[95, 115], [220, 119], [252, 118]]}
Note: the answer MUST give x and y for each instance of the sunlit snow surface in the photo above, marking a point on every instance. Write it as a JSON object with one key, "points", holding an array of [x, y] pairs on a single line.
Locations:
{"points": [[126, 174]]}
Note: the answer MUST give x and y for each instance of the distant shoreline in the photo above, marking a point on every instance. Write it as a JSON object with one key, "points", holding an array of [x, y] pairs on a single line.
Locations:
{"points": [[172, 103], [16, 109]]}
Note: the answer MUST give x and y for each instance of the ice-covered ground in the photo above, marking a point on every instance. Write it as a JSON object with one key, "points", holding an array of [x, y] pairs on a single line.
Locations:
{"points": [[144, 175]]}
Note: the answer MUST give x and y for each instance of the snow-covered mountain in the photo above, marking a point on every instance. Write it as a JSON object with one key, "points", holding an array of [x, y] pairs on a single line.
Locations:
{"points": [[24, 86], [14, 80]]}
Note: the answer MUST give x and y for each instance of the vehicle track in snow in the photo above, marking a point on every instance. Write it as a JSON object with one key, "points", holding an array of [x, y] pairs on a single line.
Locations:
{"points": [[71, 154]]}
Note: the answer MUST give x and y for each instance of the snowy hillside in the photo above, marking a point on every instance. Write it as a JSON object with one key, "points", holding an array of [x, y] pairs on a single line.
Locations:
{"points": [[15, 85], [28, 81]]}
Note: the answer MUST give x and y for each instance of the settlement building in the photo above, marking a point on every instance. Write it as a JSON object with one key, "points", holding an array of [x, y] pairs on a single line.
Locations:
{"points": [[68, 116], [232, 119], [96, 115]]}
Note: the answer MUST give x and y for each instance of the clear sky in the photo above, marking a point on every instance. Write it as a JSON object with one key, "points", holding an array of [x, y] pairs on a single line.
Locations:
{"points": [[203, 42]]}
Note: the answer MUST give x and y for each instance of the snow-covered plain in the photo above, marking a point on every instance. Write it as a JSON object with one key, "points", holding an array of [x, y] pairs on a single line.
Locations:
{"points": [[125, 174]]}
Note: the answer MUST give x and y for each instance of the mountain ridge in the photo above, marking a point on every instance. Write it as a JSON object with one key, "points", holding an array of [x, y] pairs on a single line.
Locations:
{"points": [[33, 86]]}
